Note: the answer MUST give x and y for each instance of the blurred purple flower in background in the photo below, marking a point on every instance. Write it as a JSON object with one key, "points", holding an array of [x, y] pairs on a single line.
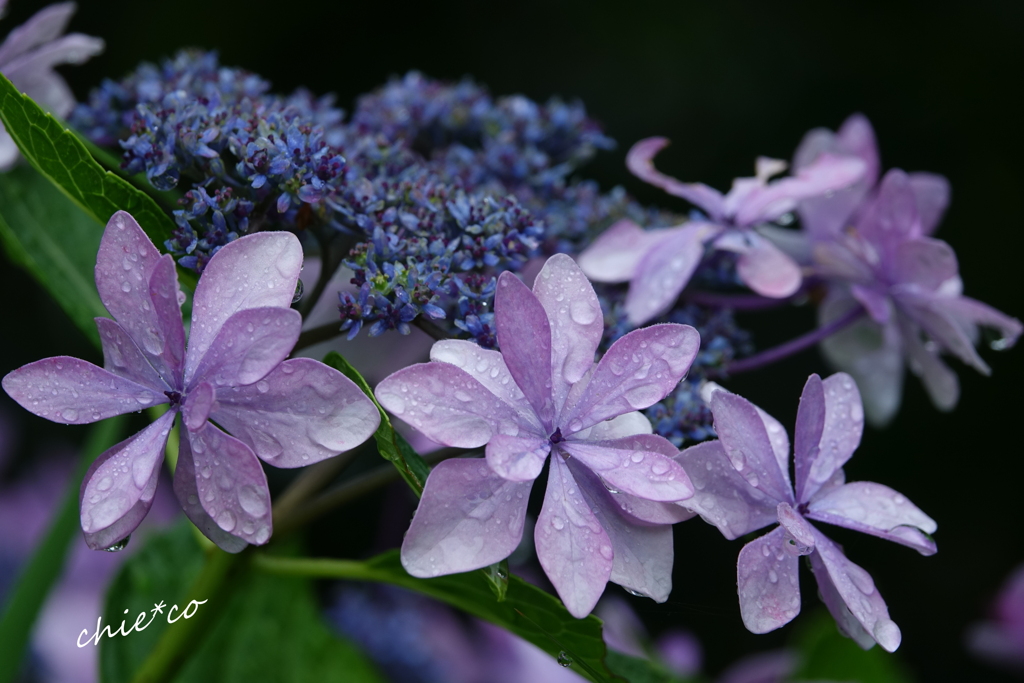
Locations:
{"points": [[27, 58], [289, 413], [743, 484], [1001, 640], [659, 263], [602, 518], [874, 246]]}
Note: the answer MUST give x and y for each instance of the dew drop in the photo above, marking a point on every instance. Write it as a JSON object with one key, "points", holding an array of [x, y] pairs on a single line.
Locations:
{"points": [[262, 386], [206, 472], [659, 467], [226, 520], [105, 484], [120, 545], [564, 659], [70, 414], [126, 287], [558, 523], [252, 501], [773, 577]]}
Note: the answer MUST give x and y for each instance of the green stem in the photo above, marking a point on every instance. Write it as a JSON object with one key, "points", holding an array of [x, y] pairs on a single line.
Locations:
{"points": [[46, 565], [177, 644]]}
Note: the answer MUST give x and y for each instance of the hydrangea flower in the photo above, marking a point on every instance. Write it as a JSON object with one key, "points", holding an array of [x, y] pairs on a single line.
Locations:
{"points": [[27, 58], [603, 515], [743, 484], [659, 263], [910, 286], [289, 413]]}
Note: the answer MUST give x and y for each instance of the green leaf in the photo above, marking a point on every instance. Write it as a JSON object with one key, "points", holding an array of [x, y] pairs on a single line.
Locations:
{"points": [[390, 443], [527, 611], [826, 654], [45, 566], [59, 155], [55, 241], [497, 576], [269, 630]]}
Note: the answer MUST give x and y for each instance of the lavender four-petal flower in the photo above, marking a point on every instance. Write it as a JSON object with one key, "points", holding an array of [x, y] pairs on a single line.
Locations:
{"points": [[290, 413], [743, 484], [605, 514], [659, 263], [27, 58], [874, 245]]}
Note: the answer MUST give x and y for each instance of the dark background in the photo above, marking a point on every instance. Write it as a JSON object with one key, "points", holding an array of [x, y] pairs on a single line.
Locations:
{"points": [[726, 81]]}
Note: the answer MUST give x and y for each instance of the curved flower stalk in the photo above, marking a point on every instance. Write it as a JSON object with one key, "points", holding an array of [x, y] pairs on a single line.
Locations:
{"points": [[289, 413], [659, 263], [604, 516], [27, 58], [743, 484]]}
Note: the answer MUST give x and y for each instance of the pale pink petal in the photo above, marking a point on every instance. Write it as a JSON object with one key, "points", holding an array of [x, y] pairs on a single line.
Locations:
{"points": [[639, 369], [830, 422], [857, 137], [932, 194], [28, 69], [891, 217], [123, 357], [762, 266], [186, 489], [487, 367], [524, 335], [576, 320], [231, 485], [448, 405], [878, 510], [48, 88], [642, 554], [642, 511], [978, 313], [249, 345], [517, 458], [626, 424], [118, 488], [616, 253], [468, 518], [575, 552], [198, 404], [665, 269], [256, 271], [941, 383], [139, 287], [825, 174], [300, 413], [44, 26], [927, 310], [851, 597], [722, 497], [72, 391], [799, 535], [744, 438], [640, 465], [640, 162], [767, 579], [870, 353], [925, 262]]}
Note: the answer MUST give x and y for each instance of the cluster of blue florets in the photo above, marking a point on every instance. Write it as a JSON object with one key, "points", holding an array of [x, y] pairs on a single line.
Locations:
{"points": [[428, 183]]}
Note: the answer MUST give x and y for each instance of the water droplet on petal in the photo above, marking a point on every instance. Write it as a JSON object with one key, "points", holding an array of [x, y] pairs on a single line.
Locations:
{"points": [[299, 288], [773, 577], [226, 520], [120, 545], [558, 523], [105, 484], [126, 287], [252, 501]]}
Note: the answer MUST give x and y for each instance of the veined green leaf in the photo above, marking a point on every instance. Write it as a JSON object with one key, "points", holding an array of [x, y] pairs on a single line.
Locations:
{"points": [[268, 629], [61, 157], [46, 234]]}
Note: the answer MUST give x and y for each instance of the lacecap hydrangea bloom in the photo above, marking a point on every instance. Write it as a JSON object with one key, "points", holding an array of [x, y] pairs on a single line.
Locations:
{"points": [[659, 263], [289, 413], [28, 56], [743, 484], [874, 246], [604, 515]]}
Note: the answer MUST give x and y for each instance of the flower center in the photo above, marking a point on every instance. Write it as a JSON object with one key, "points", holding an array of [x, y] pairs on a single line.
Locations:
{"points": [[174, 397], [557, 436]]}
